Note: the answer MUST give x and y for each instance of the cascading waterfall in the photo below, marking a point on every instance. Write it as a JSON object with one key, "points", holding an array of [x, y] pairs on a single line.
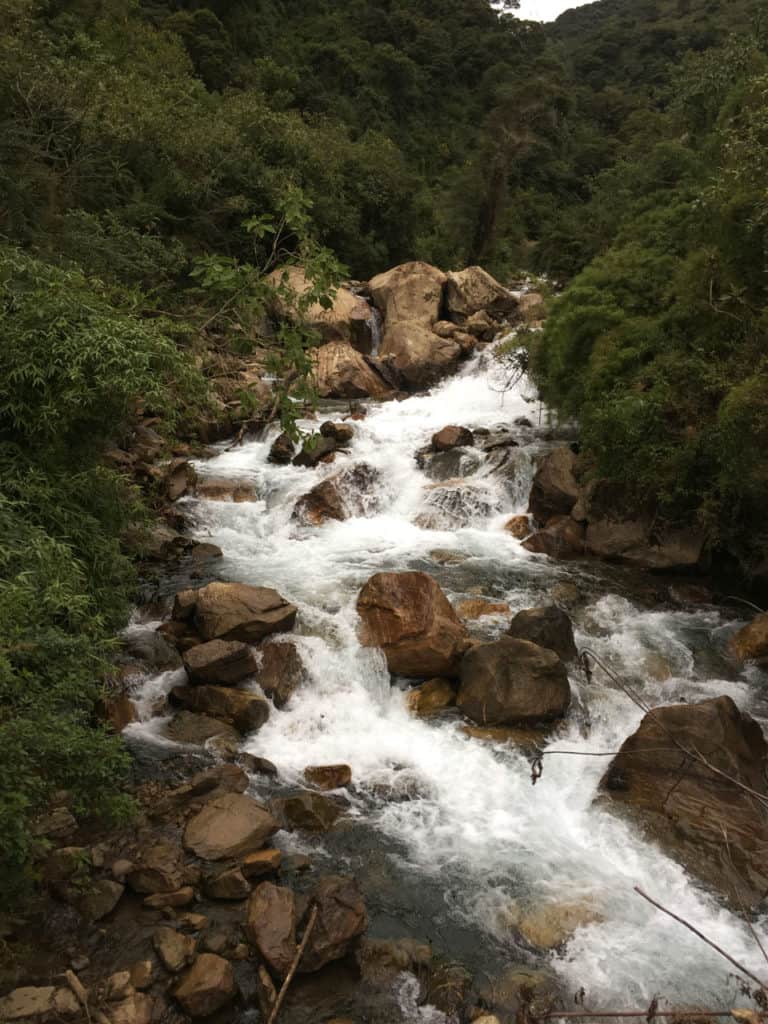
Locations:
{"points": [[475, 840]]}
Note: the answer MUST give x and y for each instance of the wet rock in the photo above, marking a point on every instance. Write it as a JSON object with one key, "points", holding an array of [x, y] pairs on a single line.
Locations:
{"points": [[688, 806], [445, 556], [235, 611], [175, 950], [220, 662], [282, 450], [180, 898], [214, 781], [567, 594], [314, 451], [419, 357], [342, 372], [245, 711], [306, 811], [519, 987], [478, 607], [180, 478], [270, 925], [230, 884], [409, 292], [329, 776], [229, 826], [219, 488], [157, 868], [512, 681], [637, 542], [205, 552], [431, 697], [341, 433], [409, 617], [142, 974], [259, 765], [455, 503], [281, 672], [196, 730], [561, 538], [551, 925], [555, 490], [101, 899], [448, 990], [690, 593], [341, 919], [262, 862], [519, 527], [381, 960], [448, 465], [548, 627], [452, 437], [751, 642], [348, 493], [207, 986], [152, 648], [471, 290]]}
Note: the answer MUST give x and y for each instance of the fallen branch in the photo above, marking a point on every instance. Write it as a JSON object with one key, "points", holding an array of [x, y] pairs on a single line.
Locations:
{"points": [[713, 945], [289, 976]]}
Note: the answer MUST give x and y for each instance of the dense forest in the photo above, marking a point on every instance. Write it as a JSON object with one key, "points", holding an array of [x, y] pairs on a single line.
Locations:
{"points": [[156, 160]]}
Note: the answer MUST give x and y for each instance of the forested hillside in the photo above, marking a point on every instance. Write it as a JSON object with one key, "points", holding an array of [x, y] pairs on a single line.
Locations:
{"points": [[157, 160]]}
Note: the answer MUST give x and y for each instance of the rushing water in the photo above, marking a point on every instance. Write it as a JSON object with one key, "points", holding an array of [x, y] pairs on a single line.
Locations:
{"points": [[476, 839]]}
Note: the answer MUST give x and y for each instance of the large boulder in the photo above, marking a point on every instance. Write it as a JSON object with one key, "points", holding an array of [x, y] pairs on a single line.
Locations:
{"points": [[469, 291], [245, 711], [207, 986], [510, 681], [419, 356], [281, 671], [410, 292], [452, 437], [408, 616], [555, 490], [637, 542], [561, 538], [341, 919], [751, 642], [718, 829], [229, 826], [342, 372], [270, 925], [548, 627], [349, 318], [236, 611], [222, 662]]}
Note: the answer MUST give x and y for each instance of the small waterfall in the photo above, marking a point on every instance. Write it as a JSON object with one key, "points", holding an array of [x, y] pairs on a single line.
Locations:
{"points": [[375, 323]]}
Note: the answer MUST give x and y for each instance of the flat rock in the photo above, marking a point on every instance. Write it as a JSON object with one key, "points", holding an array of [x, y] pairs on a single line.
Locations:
{"points": [[220, 662], [235, 611], [229, 826]]}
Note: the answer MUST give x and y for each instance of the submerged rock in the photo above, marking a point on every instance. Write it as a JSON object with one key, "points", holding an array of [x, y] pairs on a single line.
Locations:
{"points": [[513, 681], [548, 627], [409, 617], [346, 494], [692, 809]]}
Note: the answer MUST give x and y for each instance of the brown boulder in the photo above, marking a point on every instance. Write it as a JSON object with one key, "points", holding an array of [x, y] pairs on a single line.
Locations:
{"points": [[281, 671], [637, 542], [229, 884], [341, 433], [328, 776], [408, 616], [348, 318], [270, 925], [316, 449], [472, 290], [409, 292], [196, 730], [262, 862], [245, 711], [342, 372], [519, 527], [229, 826], [157, 868], [207, 986], [555, 490], [223, 662], [306, 811], [341, 918], [101, 899], [431, 697], [512, 681], [751, 642], [236, 611], [452, 437], [180, 478], [341, 496], [561, 538], [419, 356], [174, 949], [548, 627], [718, 829], [180, 898]]}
